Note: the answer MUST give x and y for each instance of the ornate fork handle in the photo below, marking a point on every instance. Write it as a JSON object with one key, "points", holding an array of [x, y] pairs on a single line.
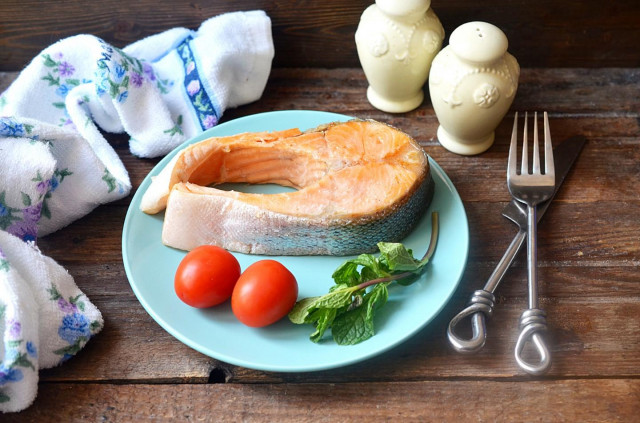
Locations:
{"points": [[532, 323]]}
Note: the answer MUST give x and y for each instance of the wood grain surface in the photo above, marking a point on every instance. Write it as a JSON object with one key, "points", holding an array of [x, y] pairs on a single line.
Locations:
{"points": [[589, 271], [421, 401], [543, 33]]}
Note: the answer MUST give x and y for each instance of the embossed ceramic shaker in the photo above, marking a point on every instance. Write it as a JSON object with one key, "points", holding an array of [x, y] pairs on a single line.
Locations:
{"points": [[396, 42], [472, 84]]}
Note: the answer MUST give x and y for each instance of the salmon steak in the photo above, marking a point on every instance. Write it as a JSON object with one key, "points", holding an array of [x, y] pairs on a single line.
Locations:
{"points": [[355, 183]]}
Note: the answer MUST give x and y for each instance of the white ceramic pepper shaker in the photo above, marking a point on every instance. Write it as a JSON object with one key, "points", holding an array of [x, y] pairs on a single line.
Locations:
{"points": [[472, 84], [396, 42]]}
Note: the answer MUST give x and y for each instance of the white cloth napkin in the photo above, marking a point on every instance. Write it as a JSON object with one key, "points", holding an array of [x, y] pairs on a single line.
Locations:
{"points": [[44, 317], [56, 166]]}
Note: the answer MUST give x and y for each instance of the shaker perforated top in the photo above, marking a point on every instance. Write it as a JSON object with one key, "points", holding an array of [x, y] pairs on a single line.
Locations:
{"points": [[478, 42]]}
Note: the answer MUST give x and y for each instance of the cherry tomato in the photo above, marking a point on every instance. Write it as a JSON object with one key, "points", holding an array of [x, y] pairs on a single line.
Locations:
{"points": [[206, 276], [265, 293]]}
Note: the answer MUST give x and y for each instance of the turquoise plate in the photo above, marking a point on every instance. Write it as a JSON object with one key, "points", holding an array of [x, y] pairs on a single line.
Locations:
{"points": [[285, 347]]}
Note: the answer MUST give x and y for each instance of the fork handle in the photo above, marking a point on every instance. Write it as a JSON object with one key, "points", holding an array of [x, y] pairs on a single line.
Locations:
{"points": [[532, 255], [532, 324], [533, 321]]}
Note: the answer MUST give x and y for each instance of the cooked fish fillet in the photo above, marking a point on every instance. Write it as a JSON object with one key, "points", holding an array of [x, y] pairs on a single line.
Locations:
{"points": [[358, 183]]}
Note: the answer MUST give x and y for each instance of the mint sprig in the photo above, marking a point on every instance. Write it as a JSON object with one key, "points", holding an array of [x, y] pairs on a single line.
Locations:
{"points": [[361, 290]]}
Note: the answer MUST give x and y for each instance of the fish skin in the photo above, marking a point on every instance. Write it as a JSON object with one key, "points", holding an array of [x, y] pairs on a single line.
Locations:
{"points": [[255, 231], [369, 182]]}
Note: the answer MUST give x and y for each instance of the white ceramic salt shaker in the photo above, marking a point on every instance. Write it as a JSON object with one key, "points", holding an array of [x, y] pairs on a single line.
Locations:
{"points": [[472, 84], [396, 42]]}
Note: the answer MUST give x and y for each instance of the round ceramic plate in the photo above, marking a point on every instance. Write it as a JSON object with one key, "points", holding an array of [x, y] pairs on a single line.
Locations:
{"points": [[286, 347]]}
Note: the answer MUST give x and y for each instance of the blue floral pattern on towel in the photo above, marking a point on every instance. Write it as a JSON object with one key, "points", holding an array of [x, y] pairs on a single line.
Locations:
{"points": [[200, 100], [11, 128], [61, 74], [23, 221], [75, 329], [17, 352], [117, 73]]}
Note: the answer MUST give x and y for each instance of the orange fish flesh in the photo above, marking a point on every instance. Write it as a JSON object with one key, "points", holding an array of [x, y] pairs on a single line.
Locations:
{"points": [[356, 183]]}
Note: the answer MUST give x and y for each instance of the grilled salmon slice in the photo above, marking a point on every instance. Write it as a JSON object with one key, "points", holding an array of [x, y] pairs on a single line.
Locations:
{"points": [[357, 183]]}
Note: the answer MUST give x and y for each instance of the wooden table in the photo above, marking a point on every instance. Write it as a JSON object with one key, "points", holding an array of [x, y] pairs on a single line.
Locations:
{"points": [[589, 269]]}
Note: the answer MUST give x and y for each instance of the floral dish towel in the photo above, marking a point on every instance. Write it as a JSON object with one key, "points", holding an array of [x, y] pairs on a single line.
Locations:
{"points": [[161, 90], [56, 166], [44, 319]]}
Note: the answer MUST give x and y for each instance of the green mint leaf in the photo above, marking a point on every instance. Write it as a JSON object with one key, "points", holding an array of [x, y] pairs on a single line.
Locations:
{"points": [[398, 258], [324, 318], [357, 325], [337, 298], [352, 327], [360, 290], [371, 265], [347, 274], [377, 297], [301, 310], [340, 297], [321, 311]]}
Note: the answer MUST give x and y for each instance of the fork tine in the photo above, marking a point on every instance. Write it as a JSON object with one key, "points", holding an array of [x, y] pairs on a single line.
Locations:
{"points": [[536, 148], [549, 168], [524, 169], [513, 150]]}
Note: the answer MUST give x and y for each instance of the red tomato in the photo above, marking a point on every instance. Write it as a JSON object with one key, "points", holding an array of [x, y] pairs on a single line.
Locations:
{"points": [[206, 276], [264, 294]]}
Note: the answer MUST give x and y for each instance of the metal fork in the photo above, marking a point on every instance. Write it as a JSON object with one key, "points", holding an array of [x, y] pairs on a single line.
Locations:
{"points": [[532, 188]]}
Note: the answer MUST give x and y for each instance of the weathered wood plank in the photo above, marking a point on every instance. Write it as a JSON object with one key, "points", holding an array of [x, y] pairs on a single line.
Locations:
{"points": [[321, 34], [589, 337], [587, 93], [608, 400]]}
